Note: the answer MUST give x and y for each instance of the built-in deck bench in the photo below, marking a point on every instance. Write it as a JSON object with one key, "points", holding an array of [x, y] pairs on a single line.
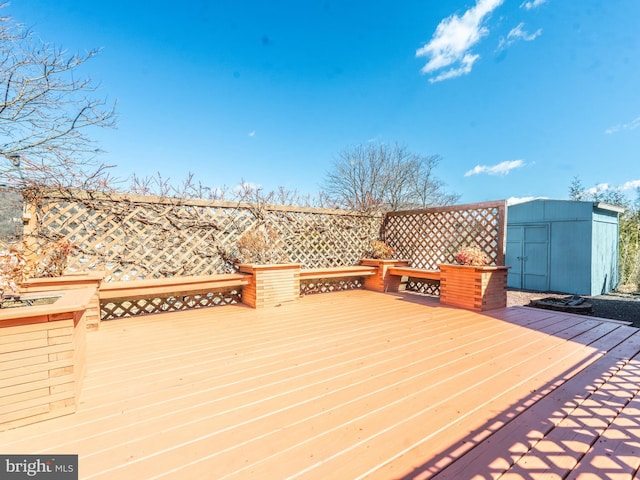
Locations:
{"points": [[168, 286], [421, 280], [473, 287], [284, 284], [433, 275], [334, 272], [329, 279], [133, 297]]}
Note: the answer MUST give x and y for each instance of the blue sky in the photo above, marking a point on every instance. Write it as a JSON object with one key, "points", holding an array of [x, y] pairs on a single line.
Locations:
{"points": [[517, 97]]}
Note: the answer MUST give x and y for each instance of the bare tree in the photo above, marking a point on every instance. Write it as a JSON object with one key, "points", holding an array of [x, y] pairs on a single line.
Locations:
{"points": [[388, 177], [47, 111], [427, 188]]}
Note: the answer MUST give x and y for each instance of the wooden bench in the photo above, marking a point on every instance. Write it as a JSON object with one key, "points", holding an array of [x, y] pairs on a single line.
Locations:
{"points": [[325, 280], [170, 286], [415, 273], [398, 277], [334, 272]]}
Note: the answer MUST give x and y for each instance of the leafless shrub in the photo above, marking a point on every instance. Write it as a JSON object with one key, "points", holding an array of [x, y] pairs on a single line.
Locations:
{"points": [[380, 250], [261, 244], [18, 263]]}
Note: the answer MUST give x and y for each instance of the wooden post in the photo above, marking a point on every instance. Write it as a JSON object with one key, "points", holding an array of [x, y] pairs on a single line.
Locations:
{"points": [[381, 281]]}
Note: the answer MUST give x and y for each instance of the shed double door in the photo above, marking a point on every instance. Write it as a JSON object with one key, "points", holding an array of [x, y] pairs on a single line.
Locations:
{"points": [[528, 256]]}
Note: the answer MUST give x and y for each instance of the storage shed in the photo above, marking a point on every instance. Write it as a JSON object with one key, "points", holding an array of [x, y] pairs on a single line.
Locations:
{"points": [[563, 246]]}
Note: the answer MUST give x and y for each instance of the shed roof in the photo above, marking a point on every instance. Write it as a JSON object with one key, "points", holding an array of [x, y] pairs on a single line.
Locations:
{"points": [[595, 205]]}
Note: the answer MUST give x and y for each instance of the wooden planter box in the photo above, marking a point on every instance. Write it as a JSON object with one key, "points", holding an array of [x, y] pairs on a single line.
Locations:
{"points": [[381, 281], [271, 285], [474, 288], [42, 358], [68, 282]]}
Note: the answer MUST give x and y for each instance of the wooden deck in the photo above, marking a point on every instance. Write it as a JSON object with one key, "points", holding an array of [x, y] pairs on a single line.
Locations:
{"points": [[352, 385]]}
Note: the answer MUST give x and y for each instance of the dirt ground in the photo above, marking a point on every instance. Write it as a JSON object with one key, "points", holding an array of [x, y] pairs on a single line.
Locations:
{"points": [[616, 306]]}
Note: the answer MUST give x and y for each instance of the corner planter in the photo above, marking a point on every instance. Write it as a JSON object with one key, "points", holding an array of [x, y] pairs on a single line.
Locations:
{"points": [[271, 285], [381, 281], [473, 287], [43, 358], [71, 281]]}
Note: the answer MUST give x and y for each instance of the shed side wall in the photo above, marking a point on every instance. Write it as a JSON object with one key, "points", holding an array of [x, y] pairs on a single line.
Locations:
{"points": [[604, 255]]}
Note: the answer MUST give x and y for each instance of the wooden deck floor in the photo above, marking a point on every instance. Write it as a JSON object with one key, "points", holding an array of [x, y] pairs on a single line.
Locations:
{"points": [[353, 385]]}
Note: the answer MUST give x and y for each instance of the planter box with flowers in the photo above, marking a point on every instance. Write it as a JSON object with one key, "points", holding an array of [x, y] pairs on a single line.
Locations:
{"points": [[473, 284]]}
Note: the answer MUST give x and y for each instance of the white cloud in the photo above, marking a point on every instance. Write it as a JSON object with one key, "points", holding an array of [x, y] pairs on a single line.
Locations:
{"points": [[630, 185], [632, 125], [532, 4], [518, 33], [465, 68], [601, 187], [502, 168], [453, 39], [252, 133], [604, 187]]}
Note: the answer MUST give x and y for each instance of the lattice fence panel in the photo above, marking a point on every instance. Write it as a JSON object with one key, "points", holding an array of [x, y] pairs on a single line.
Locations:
{"points": [[434, 235], [120, 308], [135, 237], [327, 285], [423, 286]]}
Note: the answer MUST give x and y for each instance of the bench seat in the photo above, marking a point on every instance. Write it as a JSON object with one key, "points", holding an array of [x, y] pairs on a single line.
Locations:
{"points": [[170, 286], [333, 272], [415, 273]]}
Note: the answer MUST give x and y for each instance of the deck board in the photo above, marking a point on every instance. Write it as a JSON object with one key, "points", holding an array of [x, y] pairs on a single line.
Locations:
{"points": [[509, 443], [352, 384]]}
